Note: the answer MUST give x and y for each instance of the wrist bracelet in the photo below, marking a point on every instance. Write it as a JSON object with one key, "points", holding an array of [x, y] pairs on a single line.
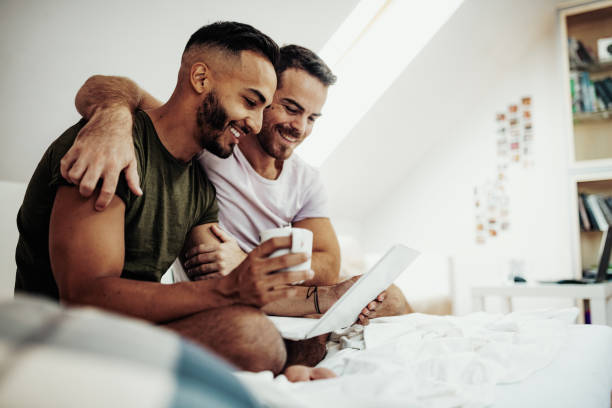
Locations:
{"points": [[313, 290]]}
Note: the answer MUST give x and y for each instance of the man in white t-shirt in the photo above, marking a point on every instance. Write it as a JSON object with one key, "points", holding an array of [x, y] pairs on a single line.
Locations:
{"points": [[263, 185]]}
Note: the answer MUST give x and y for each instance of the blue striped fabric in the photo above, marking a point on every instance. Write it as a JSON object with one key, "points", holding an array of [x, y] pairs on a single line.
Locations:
{"points": [[87, 357]]}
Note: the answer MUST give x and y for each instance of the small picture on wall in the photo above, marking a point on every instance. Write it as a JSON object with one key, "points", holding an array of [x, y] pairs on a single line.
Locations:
{"points": [[514, 139]]}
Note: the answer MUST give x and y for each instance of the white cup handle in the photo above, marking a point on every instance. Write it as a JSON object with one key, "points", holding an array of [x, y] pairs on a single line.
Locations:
{"points": [[296, 243]]}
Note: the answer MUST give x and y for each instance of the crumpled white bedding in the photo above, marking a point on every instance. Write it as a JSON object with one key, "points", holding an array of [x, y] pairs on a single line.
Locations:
{"points": [[420, 360]]}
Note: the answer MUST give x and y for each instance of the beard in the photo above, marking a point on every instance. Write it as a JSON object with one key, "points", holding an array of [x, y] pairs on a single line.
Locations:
{"points": [[212, 119], [267, 138]]}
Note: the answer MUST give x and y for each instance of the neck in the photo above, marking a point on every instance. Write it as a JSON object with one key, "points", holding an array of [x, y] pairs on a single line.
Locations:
{"points": [[264, 164], [176, 128]]}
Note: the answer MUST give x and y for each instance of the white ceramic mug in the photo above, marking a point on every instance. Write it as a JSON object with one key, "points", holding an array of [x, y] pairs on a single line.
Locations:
{"points": [[301, 241]]}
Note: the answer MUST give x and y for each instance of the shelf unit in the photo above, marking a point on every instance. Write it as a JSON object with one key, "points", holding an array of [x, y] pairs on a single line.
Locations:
{"points": [[593, 68], [589, 134]]}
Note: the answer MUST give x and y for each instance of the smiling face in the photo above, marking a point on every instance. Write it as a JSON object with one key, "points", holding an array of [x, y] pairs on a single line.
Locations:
{"points": [[289, 120], [234, 105]]}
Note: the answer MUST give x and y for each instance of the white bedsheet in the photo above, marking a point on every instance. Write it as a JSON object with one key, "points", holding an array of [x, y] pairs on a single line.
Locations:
{"points": [[431, 361], [581, 376]]}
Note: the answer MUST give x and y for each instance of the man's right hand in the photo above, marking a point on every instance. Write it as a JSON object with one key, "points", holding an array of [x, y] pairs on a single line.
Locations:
{"points": [[103, 148], [252, 281], [207, 261]]}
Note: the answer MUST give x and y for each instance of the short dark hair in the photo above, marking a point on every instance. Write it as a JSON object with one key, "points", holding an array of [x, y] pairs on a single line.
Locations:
{"points": [[235, 37], [295, 56]]}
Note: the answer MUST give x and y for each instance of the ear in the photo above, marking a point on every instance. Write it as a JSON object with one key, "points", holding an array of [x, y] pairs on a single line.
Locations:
{"points": [[199, 76]]}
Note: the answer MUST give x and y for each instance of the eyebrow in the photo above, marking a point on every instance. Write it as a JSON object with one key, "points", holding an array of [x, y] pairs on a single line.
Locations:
{"points": [[300, 107], [259, 95]]}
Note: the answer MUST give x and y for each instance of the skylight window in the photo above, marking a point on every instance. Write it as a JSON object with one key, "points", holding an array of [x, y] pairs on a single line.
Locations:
{"points": [[368, 52]]}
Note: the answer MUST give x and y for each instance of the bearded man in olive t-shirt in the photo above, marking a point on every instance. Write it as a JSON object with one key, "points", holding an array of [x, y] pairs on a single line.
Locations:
{"points": [[146, 255]]}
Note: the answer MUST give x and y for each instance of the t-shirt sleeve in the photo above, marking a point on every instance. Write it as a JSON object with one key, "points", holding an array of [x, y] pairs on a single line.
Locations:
{"points": [[56, 151], [211, 209], [315, 205]]}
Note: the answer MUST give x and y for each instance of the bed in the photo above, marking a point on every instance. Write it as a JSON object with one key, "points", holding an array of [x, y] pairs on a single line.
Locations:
{"points": [[523, 359], [53, 356]]}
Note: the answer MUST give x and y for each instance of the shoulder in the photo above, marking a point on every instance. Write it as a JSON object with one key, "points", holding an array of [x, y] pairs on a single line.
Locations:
{"points": [[206, 209], [142, 127], [211, 162], [207, 159], [62, 144], [203, 183], [143, 133], [301, 171], [51, 160]]}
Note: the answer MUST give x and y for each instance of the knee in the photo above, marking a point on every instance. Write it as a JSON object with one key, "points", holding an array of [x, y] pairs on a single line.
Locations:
{"points": [[395, 303], [250, 340]]}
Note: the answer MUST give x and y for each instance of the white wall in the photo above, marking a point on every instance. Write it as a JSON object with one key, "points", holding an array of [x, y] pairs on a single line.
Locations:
{"points": [[433, 206], [11, 196], [418, 154]]}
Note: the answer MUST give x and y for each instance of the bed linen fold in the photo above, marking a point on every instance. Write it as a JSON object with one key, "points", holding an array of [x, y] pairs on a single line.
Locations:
{"points": [[421, 360]]}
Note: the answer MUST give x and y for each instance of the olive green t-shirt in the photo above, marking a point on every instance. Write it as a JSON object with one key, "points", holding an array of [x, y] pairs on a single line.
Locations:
{"points": [[177, 196]]}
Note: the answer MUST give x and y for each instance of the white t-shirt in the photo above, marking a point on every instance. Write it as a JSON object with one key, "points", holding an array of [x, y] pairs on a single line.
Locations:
{"points": [[250, 203]]}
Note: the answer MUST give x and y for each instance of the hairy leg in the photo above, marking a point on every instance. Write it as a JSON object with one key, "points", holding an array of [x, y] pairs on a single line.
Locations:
{"points": [[242, 335], [306, 352], [395, 303]]}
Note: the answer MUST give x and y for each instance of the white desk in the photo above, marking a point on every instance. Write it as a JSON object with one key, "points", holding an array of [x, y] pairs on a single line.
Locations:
{"points": [[598, 294]]}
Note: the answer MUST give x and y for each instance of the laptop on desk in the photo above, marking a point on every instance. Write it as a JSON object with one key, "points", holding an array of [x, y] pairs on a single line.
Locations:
{"points": [[602, 275], [345, 311]]}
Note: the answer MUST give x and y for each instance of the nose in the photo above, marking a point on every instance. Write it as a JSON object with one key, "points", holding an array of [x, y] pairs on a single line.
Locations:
{"points": [[299, 124], [254, 120]]}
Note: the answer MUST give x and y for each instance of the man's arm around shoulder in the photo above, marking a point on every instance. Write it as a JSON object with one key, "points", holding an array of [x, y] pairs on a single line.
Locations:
{"points": [[103, 148]]}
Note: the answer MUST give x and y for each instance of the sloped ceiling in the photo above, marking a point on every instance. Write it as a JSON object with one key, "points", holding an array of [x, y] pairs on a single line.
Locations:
{"points": [[420, 110]]}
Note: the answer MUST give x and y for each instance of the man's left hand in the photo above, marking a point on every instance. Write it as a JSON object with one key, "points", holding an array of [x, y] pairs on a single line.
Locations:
{"points": [[213, 260], [369, 312]]}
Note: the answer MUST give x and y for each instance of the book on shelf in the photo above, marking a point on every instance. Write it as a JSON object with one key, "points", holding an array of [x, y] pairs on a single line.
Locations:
{"points": [[585, 223], [589, 95], [593, 203], [575, 92], [606, 86], [590, 104], [589, 213], [579, 55], [607, 211], [594, 212], [608, 201], [602, 93]]}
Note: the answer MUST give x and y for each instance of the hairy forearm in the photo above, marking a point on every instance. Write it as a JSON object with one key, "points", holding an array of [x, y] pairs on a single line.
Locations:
{"points": [[303, 304], [153, 301], [100, 92], [327, 271], [297, 306], [326, 267]]}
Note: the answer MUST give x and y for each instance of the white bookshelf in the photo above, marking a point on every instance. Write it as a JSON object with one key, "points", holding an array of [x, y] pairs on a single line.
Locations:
{"points": [[589, 135]]}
